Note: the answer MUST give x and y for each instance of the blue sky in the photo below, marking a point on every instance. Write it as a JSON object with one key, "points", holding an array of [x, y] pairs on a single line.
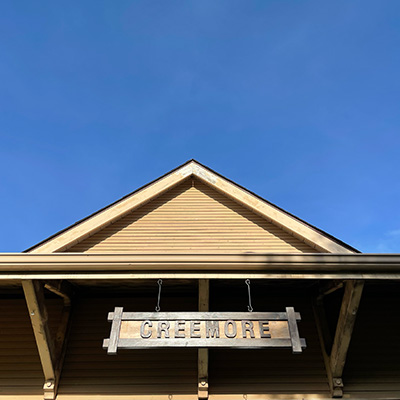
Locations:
{"points": [[296, 100]]}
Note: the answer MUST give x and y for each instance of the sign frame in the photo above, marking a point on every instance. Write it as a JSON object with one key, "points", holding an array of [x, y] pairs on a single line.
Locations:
{"points": [[115, 342]]}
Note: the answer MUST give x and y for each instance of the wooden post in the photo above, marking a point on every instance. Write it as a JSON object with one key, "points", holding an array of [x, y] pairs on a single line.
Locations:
{"points": [[344, 330], [204, 290], [51, 352]]}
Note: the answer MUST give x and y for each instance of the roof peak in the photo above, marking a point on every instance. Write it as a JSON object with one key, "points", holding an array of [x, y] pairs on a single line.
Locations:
{"points": [[292, 224]]}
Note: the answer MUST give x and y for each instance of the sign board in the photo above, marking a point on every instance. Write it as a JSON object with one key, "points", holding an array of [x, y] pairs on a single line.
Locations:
{"points": [[137, 330]]}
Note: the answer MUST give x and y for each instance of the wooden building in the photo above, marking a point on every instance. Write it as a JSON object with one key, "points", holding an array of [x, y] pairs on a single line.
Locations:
{"points": [[195, 238]]}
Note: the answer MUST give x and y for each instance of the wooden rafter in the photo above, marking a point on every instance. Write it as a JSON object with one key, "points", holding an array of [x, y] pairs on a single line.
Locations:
{"points": [[204, 289]]}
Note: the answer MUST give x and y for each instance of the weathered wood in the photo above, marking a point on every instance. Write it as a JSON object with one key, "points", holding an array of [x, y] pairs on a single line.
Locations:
{"points": [[61, 340], [115, 329], [202, 354], [34, 297], [324, 338], [204, 330], [51, 350], [344, 330], [294, 332], [130, 344], [202, 316]]}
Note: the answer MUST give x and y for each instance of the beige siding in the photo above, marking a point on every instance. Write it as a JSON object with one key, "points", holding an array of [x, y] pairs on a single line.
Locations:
{"points": [[21, 373], [88, 370], [373, 363], [268, 371], [192, 217]]}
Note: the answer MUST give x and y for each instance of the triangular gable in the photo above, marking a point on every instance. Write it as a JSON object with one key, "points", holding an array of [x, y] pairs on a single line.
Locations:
{"points": [[191, 217], [89, 226]]}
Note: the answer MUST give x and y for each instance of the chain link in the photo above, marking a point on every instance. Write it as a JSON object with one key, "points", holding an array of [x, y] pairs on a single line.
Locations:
{"points": [[249, 307], [159, 295]]}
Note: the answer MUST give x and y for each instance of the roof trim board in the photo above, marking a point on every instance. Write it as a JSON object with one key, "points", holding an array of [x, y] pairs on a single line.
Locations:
{"points": [[75, 266], [95, 222]]}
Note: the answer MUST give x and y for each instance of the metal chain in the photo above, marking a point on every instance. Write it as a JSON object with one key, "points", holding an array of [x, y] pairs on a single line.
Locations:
{"points": [[159, 295], [249, 307]]}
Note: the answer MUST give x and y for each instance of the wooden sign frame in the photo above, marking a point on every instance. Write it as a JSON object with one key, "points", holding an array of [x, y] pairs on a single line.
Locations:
{"points": [[117, 317]]}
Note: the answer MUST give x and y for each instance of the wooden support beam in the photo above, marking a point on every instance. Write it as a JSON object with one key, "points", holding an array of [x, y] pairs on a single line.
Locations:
{"points": [[324, 337], [204, 291], [335, 358], [51, 350], [34, 297], [344, 330]]}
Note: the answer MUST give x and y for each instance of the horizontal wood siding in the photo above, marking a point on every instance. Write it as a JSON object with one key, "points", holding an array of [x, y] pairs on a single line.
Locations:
{"points": [[21, 373], [192, 217], [89, 371], [268, 371], [373, 363]]}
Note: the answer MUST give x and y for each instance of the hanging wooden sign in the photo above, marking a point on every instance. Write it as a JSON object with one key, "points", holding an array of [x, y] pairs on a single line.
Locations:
{"points": [[250, 330]]}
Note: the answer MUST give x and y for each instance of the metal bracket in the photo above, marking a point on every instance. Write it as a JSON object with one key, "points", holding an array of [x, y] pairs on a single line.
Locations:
{"points": [[337, 387]]}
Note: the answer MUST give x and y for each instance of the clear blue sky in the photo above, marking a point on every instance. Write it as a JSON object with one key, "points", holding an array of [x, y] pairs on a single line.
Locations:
{"points": [[299, 101]]}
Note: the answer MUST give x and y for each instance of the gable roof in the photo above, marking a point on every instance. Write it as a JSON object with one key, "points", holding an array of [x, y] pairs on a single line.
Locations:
{"points": [[191, 218], [86, 227]]}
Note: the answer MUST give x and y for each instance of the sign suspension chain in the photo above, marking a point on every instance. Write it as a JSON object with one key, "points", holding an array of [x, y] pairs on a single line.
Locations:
{"points": [[249, 307], [174, 326], [159, 295]]}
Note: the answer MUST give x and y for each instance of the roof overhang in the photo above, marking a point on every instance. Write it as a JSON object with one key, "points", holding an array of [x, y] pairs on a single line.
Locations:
{"points": [[197, 266]]}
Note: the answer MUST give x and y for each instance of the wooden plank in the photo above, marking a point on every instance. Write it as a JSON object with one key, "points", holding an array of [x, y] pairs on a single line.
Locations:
{"points": [[344, 330], [34, 297], [130, 344], [294, 332], [51, 352], [61, 340], [324, 338], [203, 316], [115, 329]]}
